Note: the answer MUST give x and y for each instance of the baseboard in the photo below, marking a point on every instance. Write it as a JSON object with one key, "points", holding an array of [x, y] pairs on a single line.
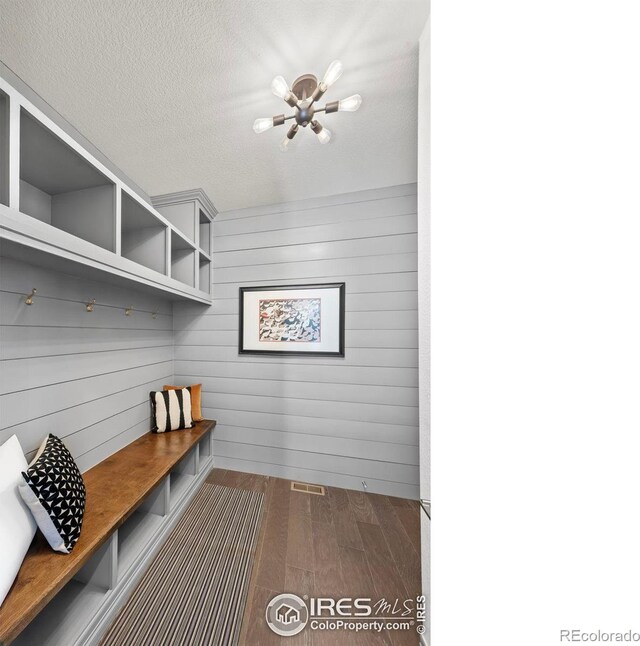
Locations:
{"points": [[315, 476]]}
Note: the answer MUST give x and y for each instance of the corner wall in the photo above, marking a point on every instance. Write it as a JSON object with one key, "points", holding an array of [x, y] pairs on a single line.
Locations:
{"points": [[326, 420]]}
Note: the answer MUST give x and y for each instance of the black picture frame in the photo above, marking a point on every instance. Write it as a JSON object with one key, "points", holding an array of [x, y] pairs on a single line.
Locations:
{"points": [[340, 352]]}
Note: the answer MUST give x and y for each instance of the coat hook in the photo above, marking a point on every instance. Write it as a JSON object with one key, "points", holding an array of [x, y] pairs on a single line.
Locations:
{"points": [[128, 311], [90, 305], [29, 299]]}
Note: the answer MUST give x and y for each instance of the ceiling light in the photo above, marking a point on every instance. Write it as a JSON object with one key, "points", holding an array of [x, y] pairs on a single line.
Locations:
{"points": [[260, 125], [350, 104], [279, 87], [333, 73], [323, 134], [302, 96]]}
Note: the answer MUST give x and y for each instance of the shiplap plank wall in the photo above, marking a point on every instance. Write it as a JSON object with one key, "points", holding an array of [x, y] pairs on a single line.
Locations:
{"points": [[326, 420], [83, 376]]}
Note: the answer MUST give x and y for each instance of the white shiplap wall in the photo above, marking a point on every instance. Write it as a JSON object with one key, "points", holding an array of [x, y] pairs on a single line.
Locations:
{"points": [[83, 376], [334, 421]]}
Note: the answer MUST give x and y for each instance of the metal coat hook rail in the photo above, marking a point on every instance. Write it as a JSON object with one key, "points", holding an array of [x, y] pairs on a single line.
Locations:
{"points": [[90, 304]]}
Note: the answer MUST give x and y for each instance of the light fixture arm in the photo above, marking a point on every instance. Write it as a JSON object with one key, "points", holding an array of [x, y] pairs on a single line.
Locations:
{"points": [[321, 88], [332, 106], [292, 99]]}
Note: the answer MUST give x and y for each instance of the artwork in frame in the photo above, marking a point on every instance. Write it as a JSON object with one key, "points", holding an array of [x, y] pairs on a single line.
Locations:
{"points": [[292, 319]]}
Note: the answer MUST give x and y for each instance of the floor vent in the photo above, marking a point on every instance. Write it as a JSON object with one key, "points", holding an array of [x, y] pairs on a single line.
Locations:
{"points": [[317, 490]]}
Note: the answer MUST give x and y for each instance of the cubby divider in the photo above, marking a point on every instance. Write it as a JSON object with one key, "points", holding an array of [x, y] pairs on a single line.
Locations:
{"points": [[143, 235], [102, 568], [133, 535], [205, 450], [205, 274], [157, 502], [4, 148], [205, 232], [183, 260]]}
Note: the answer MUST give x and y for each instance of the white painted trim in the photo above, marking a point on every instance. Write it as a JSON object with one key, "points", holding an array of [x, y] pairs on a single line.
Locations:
{"points": [[14, 151], [21, 228], [118, 222], [196, 194]]}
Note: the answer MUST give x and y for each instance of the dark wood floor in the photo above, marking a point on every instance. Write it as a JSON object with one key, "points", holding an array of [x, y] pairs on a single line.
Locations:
{"points": [[344, 544]]}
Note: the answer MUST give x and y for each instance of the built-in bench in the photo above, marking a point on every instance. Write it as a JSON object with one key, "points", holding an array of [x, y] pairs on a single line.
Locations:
{"points": [[133, 498]]}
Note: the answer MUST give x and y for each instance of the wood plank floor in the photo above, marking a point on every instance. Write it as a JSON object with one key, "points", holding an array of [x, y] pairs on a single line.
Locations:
{"points": [[344, 544]]}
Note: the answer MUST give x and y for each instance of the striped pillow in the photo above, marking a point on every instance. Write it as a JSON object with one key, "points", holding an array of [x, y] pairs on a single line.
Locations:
{"points": [[171, 410]]}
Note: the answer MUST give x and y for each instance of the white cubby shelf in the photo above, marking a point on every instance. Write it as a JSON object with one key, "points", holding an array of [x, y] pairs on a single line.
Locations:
{"points": [[191, 213], [70, 212], [82, 611]]}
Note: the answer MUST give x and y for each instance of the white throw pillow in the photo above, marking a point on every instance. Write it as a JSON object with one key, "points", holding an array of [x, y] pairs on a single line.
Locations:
{"points": [[17, 525]]}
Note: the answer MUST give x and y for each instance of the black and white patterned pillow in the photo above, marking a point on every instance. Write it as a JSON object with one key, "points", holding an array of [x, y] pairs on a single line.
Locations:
{"points": [[55, 493], [171, 410]]}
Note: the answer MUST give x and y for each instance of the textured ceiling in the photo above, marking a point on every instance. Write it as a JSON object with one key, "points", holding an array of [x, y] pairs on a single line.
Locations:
{"points": [[169, 89]]}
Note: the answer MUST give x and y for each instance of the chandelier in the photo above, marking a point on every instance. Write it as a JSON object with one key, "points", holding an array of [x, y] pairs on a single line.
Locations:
{"points": [[302, 96]]}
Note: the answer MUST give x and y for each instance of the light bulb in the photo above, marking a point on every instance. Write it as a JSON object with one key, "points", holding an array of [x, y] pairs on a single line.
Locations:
{"points": [[350, 104], [333, 73], [279, 87], [260, 125], [324, 136], [284, 144]]}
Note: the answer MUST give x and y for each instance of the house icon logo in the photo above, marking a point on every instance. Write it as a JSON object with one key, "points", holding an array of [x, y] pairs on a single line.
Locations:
{"points": [[287, 614]]}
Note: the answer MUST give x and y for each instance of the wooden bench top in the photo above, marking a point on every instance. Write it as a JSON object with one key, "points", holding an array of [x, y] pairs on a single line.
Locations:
{"points": [[115, 488]]}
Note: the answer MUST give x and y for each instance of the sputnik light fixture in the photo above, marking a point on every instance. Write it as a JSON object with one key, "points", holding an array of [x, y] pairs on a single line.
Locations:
{"points": [[302, 97]]}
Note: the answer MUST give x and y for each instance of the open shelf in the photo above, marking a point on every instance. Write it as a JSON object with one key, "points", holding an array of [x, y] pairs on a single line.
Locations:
{"points": [[65, 617], [180, 484], [182, 216], [205, 274], [133, 536], [71, 212], [205, 233], [183, 259], [204, 446], [4, 149], [144, 237], [61, 188]]}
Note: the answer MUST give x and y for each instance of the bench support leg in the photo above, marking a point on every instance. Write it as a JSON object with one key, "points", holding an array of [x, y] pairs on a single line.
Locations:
{"points": [[102, 568], [158, 502]]}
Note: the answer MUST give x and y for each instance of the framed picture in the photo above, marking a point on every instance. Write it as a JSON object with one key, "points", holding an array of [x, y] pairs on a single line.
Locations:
{"points": [[292, 319]]}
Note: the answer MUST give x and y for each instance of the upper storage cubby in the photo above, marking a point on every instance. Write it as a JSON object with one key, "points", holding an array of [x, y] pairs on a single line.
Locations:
{"points": [[4, 149], [192, 213], [205, 232], [183, 260], [144, 236], [205, 274], [60, 187], [182, 216], [68, 208]]}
